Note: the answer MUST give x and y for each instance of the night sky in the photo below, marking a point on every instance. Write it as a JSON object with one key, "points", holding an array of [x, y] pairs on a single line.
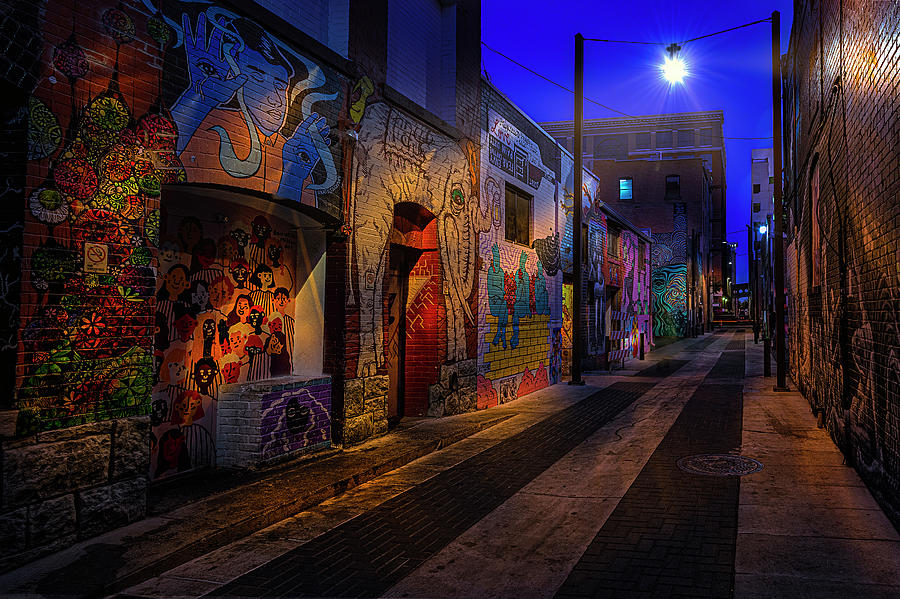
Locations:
{"points": [[729, 72]]}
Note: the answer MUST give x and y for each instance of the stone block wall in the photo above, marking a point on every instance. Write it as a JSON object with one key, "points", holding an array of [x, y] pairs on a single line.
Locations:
{"points": [[842, 194], [59, 487]]}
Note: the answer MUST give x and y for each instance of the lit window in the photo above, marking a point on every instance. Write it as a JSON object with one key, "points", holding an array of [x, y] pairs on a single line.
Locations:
{"points": [[625, 188]]}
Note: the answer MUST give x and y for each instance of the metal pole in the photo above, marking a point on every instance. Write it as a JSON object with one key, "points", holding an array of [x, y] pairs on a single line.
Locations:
{"points": [[642, 346], [779, 225], [577, 202]]}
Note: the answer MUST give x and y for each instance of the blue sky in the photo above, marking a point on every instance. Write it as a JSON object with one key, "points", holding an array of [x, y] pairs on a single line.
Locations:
{"points": [[729, 72]]}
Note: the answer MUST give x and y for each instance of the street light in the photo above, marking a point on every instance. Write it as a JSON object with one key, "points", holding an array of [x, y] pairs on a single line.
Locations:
{"points": [[763, 229], [674, 71], [673, 68]]}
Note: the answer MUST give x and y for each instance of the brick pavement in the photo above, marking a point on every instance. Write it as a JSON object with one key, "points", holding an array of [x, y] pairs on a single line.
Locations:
{"points": [[673, 534], [365, 556]]}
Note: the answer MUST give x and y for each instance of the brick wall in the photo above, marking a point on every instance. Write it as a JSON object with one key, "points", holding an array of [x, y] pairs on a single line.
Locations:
{"points": [[672, 219], [408, 160], [841, 124], [118, 115], [520, 294]]}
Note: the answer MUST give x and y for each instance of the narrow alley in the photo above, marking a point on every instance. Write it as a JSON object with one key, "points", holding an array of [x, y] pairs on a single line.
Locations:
{"points": [[686, 478]]}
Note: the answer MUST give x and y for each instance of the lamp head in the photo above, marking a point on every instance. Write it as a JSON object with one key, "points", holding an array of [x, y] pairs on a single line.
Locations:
{"points": [[763, 229], [673, 69]]}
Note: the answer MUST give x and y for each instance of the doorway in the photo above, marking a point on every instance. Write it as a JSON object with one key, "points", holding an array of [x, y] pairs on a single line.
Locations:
{"points": [[415, 345]]}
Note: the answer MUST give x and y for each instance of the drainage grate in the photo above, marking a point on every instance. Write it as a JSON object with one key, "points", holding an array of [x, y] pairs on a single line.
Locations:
{"points": [[719, 465]]}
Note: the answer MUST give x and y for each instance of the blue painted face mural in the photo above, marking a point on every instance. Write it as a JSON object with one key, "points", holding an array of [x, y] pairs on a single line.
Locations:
{"points": [[252, 107]]}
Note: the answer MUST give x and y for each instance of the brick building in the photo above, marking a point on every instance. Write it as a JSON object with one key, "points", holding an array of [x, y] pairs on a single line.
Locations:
{"points": [[671, 198], [611, 144], [762, 181], [234, 234], [842, 200]]}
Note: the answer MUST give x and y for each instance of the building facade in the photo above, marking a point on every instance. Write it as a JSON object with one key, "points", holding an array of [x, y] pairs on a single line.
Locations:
{"points": [[671, 198], [843, 229], [611, 144], [762, 181], [236, 233]]}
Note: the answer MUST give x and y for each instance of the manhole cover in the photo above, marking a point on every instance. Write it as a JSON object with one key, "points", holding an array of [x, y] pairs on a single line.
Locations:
{"points": [[719, 465]]}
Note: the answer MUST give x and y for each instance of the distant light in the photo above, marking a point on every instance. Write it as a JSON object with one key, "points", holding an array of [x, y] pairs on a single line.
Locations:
{"points": [[763, 229], [674, 70]]}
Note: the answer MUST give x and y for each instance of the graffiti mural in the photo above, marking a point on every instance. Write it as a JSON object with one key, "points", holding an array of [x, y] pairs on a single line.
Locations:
{"points": [[398, 159], [669, 276], [669, 299], [249, 110], [93, 221], [224, 313], [521, 292], [295, 419], [231, 105]]}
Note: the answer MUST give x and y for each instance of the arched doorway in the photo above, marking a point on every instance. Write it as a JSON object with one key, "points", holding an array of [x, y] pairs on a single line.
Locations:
{"points": [[415, 341]]}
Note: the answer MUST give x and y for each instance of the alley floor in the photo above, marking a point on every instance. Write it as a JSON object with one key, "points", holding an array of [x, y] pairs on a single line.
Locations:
{"points": [[627, 487]]}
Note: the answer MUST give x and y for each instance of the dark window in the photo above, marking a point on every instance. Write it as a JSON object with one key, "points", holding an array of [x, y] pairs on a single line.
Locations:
{"points": [[663, 139], [641, 256], [613, 249], [673, 187], [610, 147], [706, 137], [756, 188], [625, 190], [642, 141], [755, 206], [771, 180], [686, 138], [518, 216]]}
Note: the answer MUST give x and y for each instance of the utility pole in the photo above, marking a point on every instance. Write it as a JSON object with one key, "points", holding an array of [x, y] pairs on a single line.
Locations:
{"points": [[577, 201], [778, 249]]}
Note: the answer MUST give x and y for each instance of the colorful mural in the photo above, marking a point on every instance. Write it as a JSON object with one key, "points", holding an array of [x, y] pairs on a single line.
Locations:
{"points": [[520, 349], [295, 419], [221, 102], [224, 314], [250, 111], [669, 261], [96, 164]]}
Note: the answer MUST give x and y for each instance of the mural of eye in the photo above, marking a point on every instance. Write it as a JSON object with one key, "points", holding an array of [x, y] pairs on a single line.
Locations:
{"points": [[457, 199], [206, 68]]}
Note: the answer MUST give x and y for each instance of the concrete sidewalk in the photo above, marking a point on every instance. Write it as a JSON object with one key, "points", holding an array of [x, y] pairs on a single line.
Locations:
{"points": [[195, 517], [807, 524]]}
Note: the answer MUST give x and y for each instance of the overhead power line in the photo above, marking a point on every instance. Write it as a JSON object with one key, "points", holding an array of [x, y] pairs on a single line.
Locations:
{"points": [[600, 104], [559, 85]]}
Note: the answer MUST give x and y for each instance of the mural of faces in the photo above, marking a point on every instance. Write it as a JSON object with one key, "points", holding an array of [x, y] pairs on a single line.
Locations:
{"points": [[220, 293], [177, 281], [240, 272]]}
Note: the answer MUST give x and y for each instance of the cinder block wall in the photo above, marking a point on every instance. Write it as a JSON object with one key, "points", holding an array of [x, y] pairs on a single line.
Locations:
{"points": [[841, 89]]}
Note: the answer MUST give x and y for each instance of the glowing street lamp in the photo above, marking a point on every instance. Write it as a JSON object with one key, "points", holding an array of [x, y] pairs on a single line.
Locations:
{"points": [[673, 69], [763, 229]]}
